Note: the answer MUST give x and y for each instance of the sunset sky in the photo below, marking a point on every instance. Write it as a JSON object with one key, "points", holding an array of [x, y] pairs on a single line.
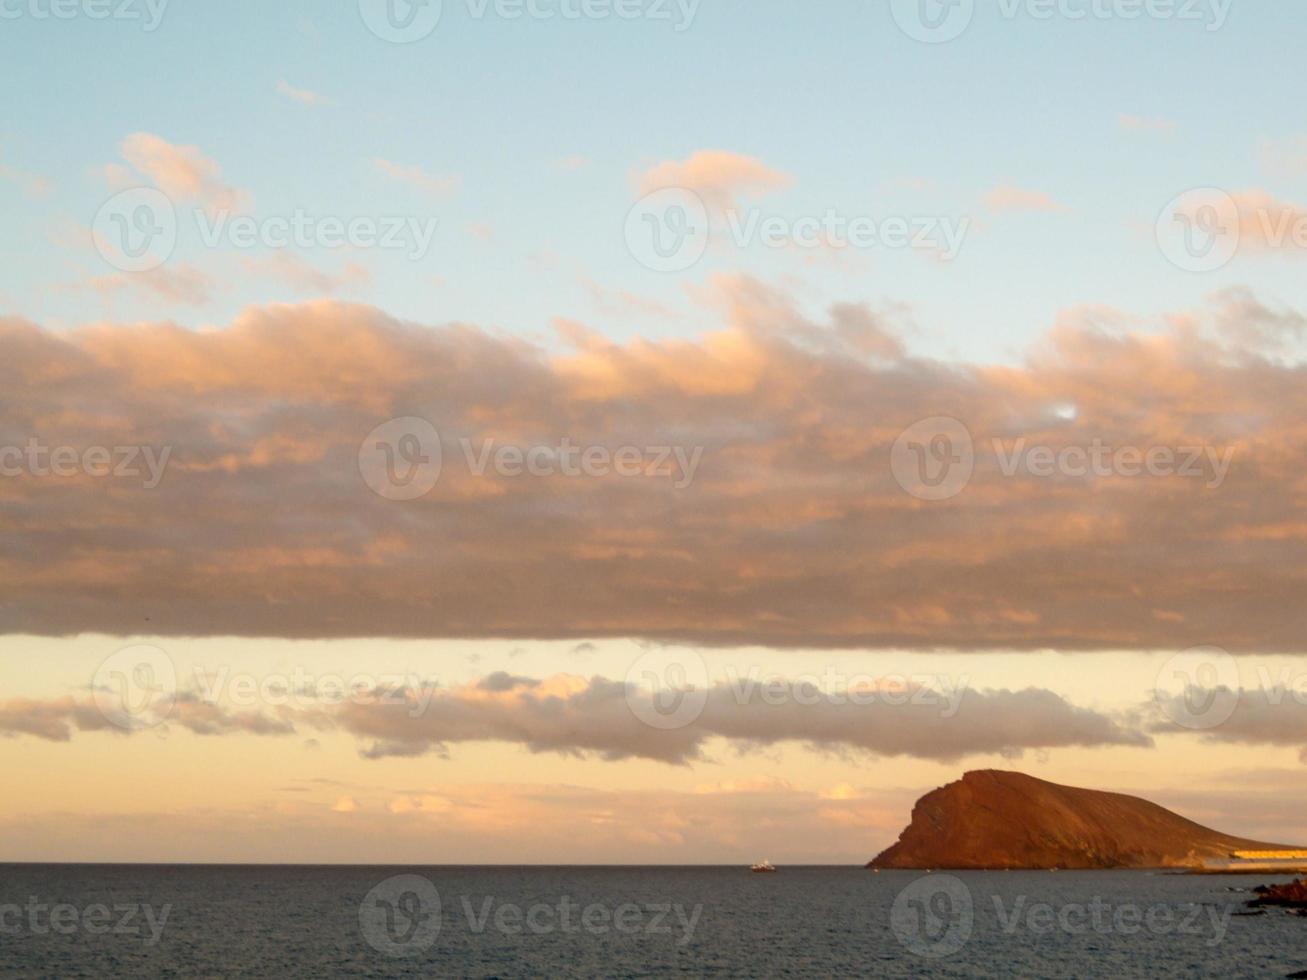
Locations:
{"points": [[526, 376]]}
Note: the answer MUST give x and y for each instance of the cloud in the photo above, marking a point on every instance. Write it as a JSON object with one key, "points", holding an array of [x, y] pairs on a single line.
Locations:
{"points": [[603, 717], [202, 717], [1268, 715], [301, 276], [437, 185], [575, 716], [183, 285], [33, 186], [623, 302], [1006, 199], [55, 720], [301, 95], [52, 720], [181, 172], [718, 176], [1265, 224], [794, 531], [1269, 224]]}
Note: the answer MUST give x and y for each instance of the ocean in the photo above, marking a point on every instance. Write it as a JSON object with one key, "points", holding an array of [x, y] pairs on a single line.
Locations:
{"points": [[291, 922]]}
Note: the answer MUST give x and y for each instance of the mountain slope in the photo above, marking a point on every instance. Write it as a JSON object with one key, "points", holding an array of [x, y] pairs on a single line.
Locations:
{"points": [[995, 819]]}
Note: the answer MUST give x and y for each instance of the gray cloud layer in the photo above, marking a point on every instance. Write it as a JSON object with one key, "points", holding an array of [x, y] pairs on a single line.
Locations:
{"points": [[608, 719], [794, 532], [604, 717], [1274, 716]]}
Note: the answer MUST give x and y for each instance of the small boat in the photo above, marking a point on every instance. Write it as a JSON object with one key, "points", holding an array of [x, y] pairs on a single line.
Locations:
{"points": [[763, 867]]}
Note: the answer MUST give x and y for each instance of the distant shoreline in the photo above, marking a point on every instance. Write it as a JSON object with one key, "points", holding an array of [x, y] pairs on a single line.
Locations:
{"points": [[265, 866]]}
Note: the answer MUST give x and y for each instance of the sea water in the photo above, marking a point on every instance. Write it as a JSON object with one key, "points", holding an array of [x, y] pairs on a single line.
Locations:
{"points": [[289, 922]]}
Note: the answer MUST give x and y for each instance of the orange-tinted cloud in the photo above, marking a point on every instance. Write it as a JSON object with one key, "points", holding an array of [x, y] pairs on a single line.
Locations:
{"points": [[437, 185], [182, 172], [1269, 224], [793, 532], [718, 176], [1002, 199]]}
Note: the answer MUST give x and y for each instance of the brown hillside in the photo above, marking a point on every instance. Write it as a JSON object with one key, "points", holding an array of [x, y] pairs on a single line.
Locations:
{"points": [[995, 819]]}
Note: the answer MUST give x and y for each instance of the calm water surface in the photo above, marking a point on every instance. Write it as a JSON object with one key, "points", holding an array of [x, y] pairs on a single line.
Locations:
{"points": [[495, 922]]}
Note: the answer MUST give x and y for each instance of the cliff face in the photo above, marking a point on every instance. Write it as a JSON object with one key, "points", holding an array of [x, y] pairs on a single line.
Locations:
{"points": [[994, 819]]}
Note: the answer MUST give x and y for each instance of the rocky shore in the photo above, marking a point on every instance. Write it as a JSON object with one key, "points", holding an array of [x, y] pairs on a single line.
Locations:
{"points": [[1290, 896]]}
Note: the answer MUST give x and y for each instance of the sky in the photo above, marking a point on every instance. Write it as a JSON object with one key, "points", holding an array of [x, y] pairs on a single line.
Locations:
{"points": [[431, 430]]}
